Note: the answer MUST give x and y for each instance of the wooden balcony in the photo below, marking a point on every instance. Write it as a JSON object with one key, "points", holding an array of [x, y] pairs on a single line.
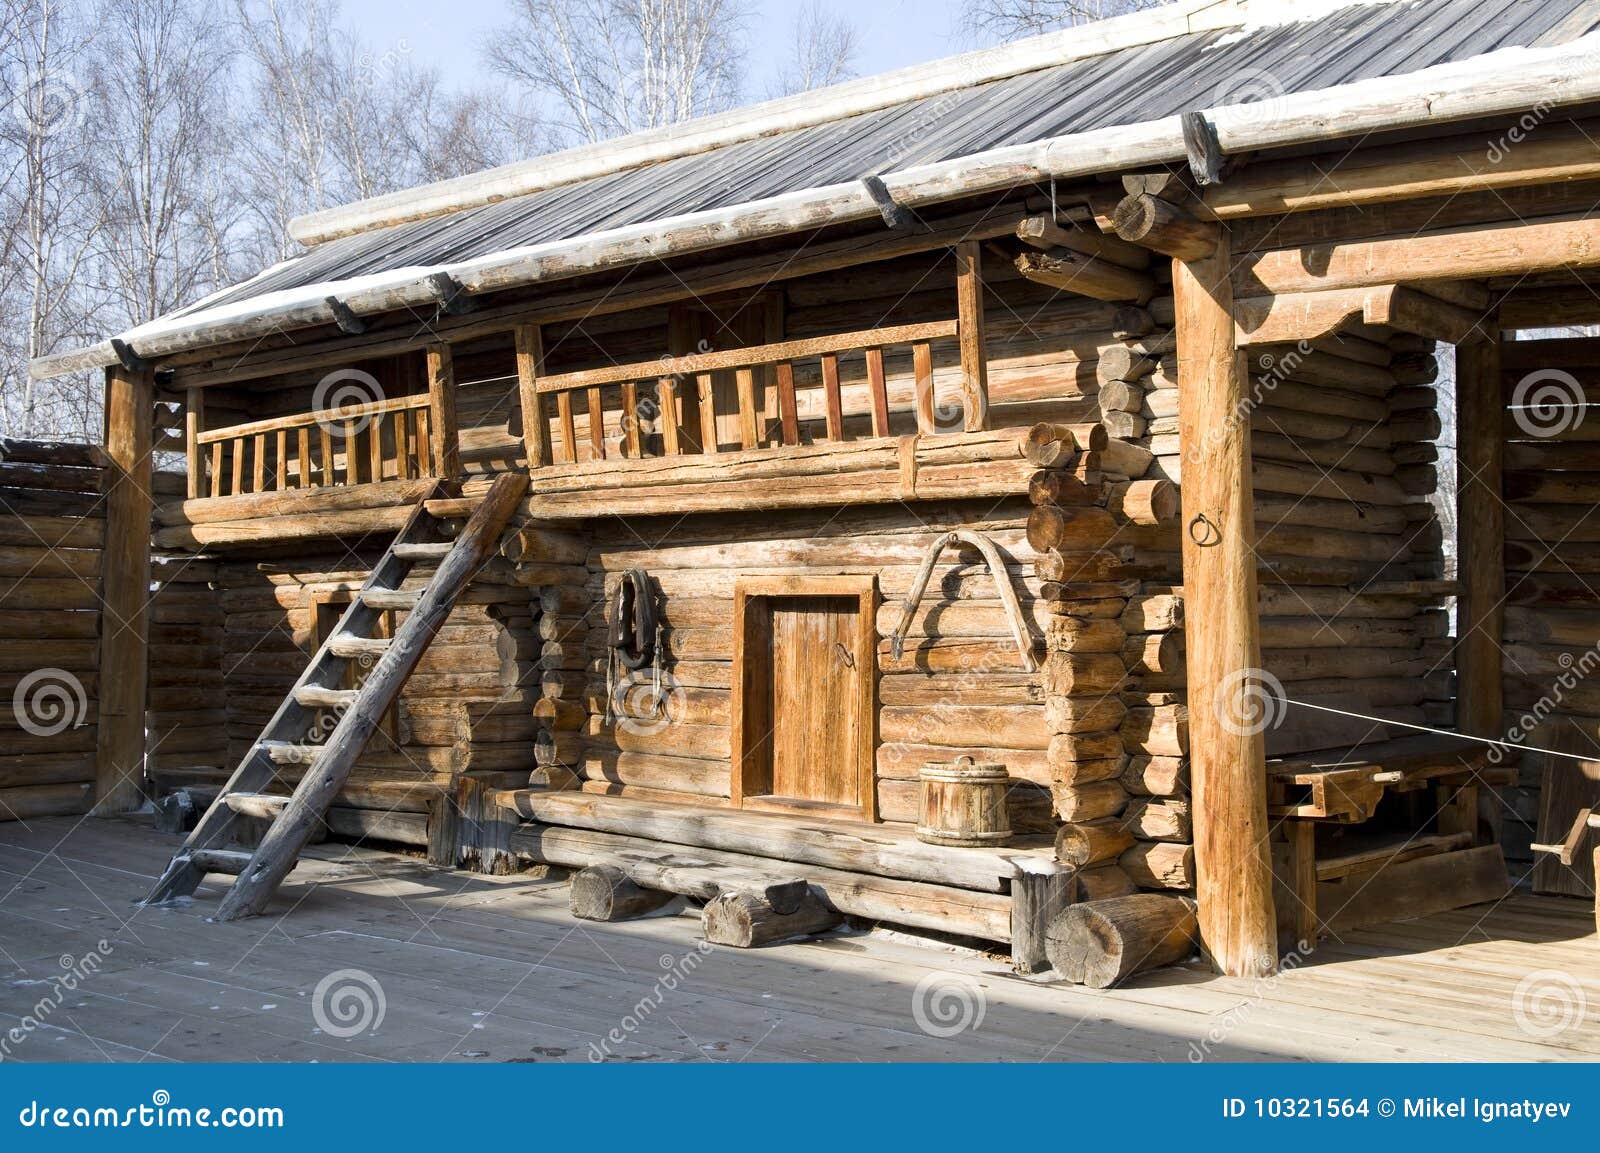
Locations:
{"points": [[349, 445], [773, 425]]}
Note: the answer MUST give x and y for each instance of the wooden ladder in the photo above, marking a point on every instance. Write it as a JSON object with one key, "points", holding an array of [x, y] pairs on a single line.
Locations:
{"points": [[423, 540]]}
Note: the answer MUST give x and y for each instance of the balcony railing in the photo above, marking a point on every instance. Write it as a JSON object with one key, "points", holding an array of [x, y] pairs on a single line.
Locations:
{"points": [[352, 444], [672, 406]]}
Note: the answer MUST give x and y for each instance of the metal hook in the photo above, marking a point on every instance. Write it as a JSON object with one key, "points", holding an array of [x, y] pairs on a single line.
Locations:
{"points": [[1207, 539], [845, 656]]}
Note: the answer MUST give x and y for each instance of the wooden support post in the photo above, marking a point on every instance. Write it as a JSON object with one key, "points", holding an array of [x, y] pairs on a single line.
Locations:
{"points": [[124, 591], [1480, 517], [194, 419], [442, 409], [1294, 871], [535, 422], [1233, 864], [969, 313], [1036, 900]]}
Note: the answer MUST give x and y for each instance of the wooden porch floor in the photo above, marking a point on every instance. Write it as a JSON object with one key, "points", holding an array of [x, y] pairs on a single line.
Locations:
{"points": [[496, 969]]}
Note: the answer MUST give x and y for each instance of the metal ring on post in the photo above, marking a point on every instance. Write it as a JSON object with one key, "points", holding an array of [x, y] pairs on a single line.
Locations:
{"points": [[1210, 540]]}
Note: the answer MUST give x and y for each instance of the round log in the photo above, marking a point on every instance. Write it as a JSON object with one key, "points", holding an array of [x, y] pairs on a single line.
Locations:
{"points": [[1091, 842], [605, 893], [746, 920], [1101, 943]]}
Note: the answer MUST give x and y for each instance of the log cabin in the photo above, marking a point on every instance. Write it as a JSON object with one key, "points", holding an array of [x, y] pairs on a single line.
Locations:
{"points": [[1112, 496]]}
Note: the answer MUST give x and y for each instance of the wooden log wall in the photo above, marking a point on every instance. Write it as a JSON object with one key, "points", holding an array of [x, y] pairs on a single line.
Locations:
{"points": [[52, 528], [186, 723], [1551, 667], [468, 708], [958, 689]]}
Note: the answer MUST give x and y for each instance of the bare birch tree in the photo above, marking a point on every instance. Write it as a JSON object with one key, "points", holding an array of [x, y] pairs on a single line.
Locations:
{"points": [[1013, 19], [823, 51], [617, 66]]}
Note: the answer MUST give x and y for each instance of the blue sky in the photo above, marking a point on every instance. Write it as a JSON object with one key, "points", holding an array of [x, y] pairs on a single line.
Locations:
{"points": [[894, 33]]}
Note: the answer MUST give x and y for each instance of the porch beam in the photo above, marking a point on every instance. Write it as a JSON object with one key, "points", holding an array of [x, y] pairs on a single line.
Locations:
{"points": [[1233, 861], [1455, 254], [124, 591]]}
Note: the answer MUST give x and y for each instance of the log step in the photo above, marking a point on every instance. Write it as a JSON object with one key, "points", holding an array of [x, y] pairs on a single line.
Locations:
{"points": [[229, 861], [317, 697], [263, 805], [391, 598], [291, 752], [430, 551], [353, 646], [451, 508]]}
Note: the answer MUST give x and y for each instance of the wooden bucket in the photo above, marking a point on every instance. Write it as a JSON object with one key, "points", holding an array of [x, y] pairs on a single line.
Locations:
{"points": [[964, 804]]}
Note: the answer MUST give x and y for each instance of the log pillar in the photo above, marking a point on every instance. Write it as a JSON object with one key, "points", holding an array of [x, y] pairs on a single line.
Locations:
{"points": [[969, 311], [535, 422], [1233, 861], [443, 431], [124, 591], [1481, 523], [194, 419]]}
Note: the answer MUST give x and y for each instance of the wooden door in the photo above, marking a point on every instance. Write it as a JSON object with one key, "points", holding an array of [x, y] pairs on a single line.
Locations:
{"points": [[805, 694], [815, 696]]}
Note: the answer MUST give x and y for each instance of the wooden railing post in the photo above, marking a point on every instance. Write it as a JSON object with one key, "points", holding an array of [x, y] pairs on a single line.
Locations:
{"points": [[1227, 751], [442, 411], [535, 422], [194, 419], [124, 591], [969, 304]]}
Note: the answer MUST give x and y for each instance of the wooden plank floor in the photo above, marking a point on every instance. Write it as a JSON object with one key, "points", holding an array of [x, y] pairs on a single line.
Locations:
{"points": [[495, 969]]}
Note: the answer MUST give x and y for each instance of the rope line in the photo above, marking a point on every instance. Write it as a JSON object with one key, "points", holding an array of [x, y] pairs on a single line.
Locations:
{"points": [[1439, 732]]}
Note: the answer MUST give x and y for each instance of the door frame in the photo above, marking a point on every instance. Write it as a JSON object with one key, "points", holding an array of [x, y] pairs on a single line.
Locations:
{"points": [[748, 592]]}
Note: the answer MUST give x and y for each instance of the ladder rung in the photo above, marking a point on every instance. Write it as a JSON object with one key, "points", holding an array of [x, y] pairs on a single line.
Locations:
{"points": [[230, 861], [451, 508], [292, 752], [344, 645], [430, 551], [317, 697], [391, 598], [265, 805]]}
